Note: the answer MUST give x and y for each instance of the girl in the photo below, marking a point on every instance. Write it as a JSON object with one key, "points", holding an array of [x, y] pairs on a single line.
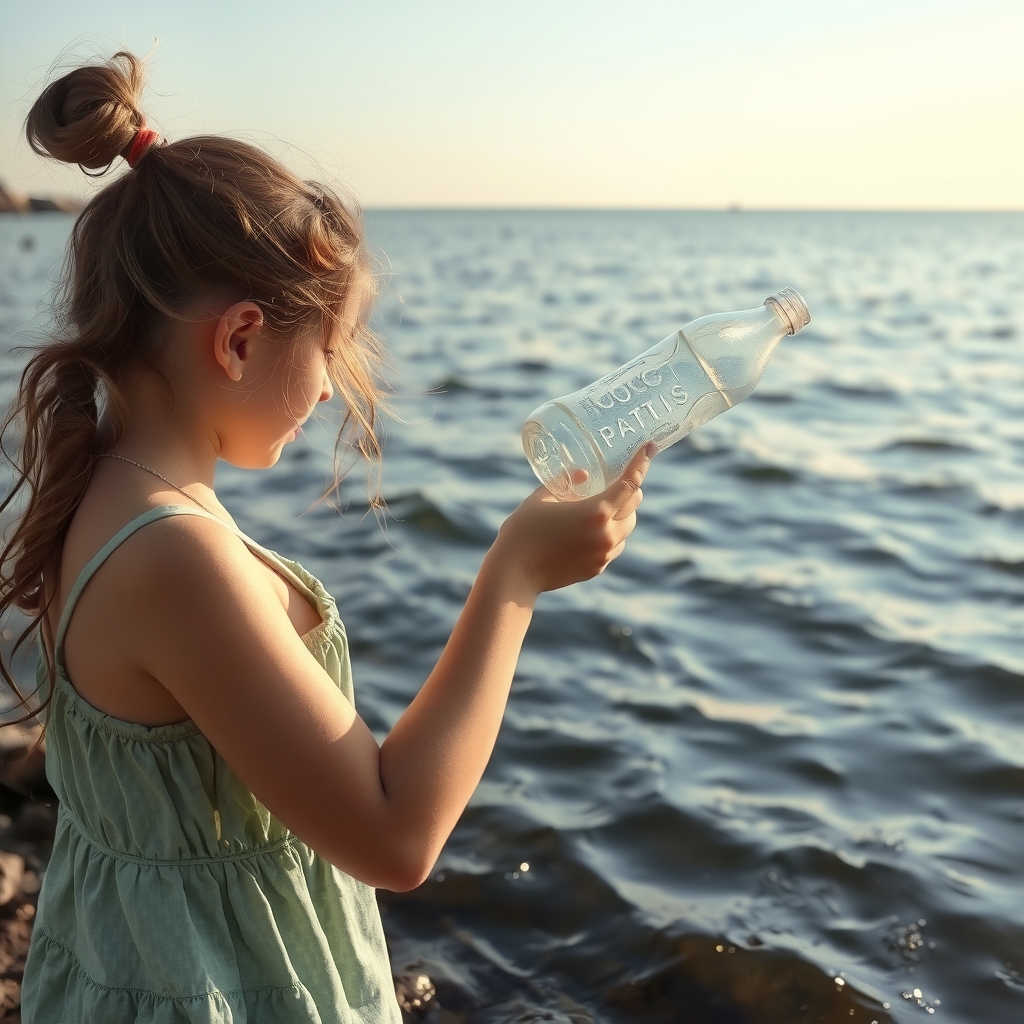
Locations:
{"points": [[224, 813]]}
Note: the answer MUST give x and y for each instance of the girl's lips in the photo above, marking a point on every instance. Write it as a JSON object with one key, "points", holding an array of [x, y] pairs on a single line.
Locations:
{"points": [[296, 430]]}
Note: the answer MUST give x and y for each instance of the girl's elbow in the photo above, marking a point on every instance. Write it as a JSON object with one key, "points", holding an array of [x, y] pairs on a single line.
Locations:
{"points": [[410, 872], [405, 882], [396, 869]]}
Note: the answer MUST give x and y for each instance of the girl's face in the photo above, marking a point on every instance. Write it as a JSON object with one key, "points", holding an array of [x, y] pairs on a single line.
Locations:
{"points": [[281, 386]]}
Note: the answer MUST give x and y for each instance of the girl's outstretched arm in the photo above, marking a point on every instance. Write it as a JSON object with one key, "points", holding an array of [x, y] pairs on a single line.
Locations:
{"points": [[435, 755], [212, 631]]}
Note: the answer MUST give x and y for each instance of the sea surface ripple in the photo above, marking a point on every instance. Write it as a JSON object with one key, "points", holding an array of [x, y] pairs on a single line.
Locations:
{"points": [[768, 767]]}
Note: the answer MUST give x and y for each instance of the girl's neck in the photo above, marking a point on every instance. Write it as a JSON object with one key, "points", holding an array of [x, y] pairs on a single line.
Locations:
{"points": [[160, 440]]}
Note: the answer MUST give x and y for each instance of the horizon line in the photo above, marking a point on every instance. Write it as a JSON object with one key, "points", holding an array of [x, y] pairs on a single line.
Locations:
{"points": [[736, 206], [732, 208]]}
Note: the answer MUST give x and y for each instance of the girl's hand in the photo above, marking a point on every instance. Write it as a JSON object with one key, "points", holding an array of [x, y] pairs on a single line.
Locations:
{"points": [[547, 544]]}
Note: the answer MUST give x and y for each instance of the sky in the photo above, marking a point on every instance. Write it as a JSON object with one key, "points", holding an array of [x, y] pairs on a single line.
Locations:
{"points": [[793, 104]]}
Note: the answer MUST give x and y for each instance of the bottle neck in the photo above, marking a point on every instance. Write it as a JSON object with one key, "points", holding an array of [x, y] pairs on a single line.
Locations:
{"points": [[789, 306]]}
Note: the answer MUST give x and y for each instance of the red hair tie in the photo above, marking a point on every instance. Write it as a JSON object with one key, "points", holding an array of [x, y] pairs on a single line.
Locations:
{"points": [[144, 138]]}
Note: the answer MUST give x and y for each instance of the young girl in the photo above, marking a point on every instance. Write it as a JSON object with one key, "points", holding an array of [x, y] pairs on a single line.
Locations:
{"points": [[224, 812]]}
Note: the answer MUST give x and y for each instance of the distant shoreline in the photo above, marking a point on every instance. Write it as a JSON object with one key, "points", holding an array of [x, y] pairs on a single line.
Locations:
{"points": [[13, 202], [367, 208]]}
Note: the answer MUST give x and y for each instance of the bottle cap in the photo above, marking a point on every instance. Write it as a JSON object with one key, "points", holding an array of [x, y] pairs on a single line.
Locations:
{"points": [[790, 305]]}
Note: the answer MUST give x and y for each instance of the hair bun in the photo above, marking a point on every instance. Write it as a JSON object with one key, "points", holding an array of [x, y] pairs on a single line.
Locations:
{"points": [[90, 115]]}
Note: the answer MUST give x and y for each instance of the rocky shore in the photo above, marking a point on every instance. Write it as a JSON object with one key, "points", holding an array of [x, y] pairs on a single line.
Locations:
{"points": [[28, 813], [14, 202]]}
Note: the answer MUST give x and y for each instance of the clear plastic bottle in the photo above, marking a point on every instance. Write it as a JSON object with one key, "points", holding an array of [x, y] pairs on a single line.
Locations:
{"points": [[702, 369]]}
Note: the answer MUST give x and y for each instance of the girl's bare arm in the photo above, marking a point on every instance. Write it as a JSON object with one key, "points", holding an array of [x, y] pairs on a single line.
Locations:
{"points": [[214, 633]]}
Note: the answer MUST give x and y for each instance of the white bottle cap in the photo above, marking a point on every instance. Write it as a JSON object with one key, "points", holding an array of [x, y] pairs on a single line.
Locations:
{"points": [[790, 305]]}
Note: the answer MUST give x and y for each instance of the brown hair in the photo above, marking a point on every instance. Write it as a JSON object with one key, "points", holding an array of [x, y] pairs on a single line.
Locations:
{"points": [[204, 213]]}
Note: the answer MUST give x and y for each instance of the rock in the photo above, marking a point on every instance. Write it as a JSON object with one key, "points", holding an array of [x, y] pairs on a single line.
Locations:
{"points": [[17, 913], [12, 874], [26, 838], [10, 202], [15, 933], [13, 202], [23, 759], [35, 822], [10, 1000], [415, 992], [45, 204]]}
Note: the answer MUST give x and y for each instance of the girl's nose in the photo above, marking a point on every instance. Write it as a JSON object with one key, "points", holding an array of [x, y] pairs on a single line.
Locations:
{"points": [[327, 392]]}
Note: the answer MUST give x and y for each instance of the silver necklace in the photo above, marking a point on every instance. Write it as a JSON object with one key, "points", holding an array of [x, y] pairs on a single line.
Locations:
{"points": [[112, 455]]}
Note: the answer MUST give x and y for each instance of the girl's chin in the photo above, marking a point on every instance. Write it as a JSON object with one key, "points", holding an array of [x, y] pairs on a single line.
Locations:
{"points": [[267, 458], [263, 460]]}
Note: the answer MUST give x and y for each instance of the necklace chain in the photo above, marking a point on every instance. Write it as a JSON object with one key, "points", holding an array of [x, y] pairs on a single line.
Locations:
{"points": [[112, 455]]}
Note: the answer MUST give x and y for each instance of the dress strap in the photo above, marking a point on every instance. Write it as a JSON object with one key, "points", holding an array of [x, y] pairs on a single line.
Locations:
{"points": [[87, 573]]}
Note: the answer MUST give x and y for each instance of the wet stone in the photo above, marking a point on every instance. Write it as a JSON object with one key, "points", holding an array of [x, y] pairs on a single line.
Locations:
{"points": [[22, 759], [416, 993], [26, 839], [12, 874]]}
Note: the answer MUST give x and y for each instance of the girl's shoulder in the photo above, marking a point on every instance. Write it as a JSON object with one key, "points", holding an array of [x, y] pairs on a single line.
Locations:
{"points": [[164, 538], [171, 561], [125, 597]]}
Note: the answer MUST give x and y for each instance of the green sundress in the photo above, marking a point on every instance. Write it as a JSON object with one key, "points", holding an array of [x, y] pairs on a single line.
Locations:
{"points": [[173, 896]]}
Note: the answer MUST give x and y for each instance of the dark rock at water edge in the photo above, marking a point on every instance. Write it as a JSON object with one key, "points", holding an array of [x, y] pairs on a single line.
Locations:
{"points": [[28, 815], [12, 202], [23, 761]]}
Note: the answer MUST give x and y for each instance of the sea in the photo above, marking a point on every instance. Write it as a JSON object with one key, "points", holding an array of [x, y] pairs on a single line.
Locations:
{"points": [[768, 767]]}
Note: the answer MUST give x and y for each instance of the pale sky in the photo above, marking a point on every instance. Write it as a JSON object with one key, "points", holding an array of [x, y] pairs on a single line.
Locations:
{"points": [[808, 104]]}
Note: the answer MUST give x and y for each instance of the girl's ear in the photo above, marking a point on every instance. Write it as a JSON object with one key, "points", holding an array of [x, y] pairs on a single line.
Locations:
{"points": [[236, 327]]}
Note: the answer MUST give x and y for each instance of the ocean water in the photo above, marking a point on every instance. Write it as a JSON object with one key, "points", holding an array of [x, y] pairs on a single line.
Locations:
{"points": [[769, 766]]}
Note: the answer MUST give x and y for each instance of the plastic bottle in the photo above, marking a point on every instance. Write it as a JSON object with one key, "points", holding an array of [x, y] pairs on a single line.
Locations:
{"points": [[702, 369]]}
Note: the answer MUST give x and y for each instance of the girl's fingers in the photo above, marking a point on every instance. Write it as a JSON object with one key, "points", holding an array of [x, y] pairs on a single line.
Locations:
{"points": [[562, 542], [632, 504], [628, 525], [617, 550], [621, 496]]}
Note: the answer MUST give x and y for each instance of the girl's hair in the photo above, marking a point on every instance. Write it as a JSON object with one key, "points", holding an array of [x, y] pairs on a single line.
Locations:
{"points": [[199, 216]]}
